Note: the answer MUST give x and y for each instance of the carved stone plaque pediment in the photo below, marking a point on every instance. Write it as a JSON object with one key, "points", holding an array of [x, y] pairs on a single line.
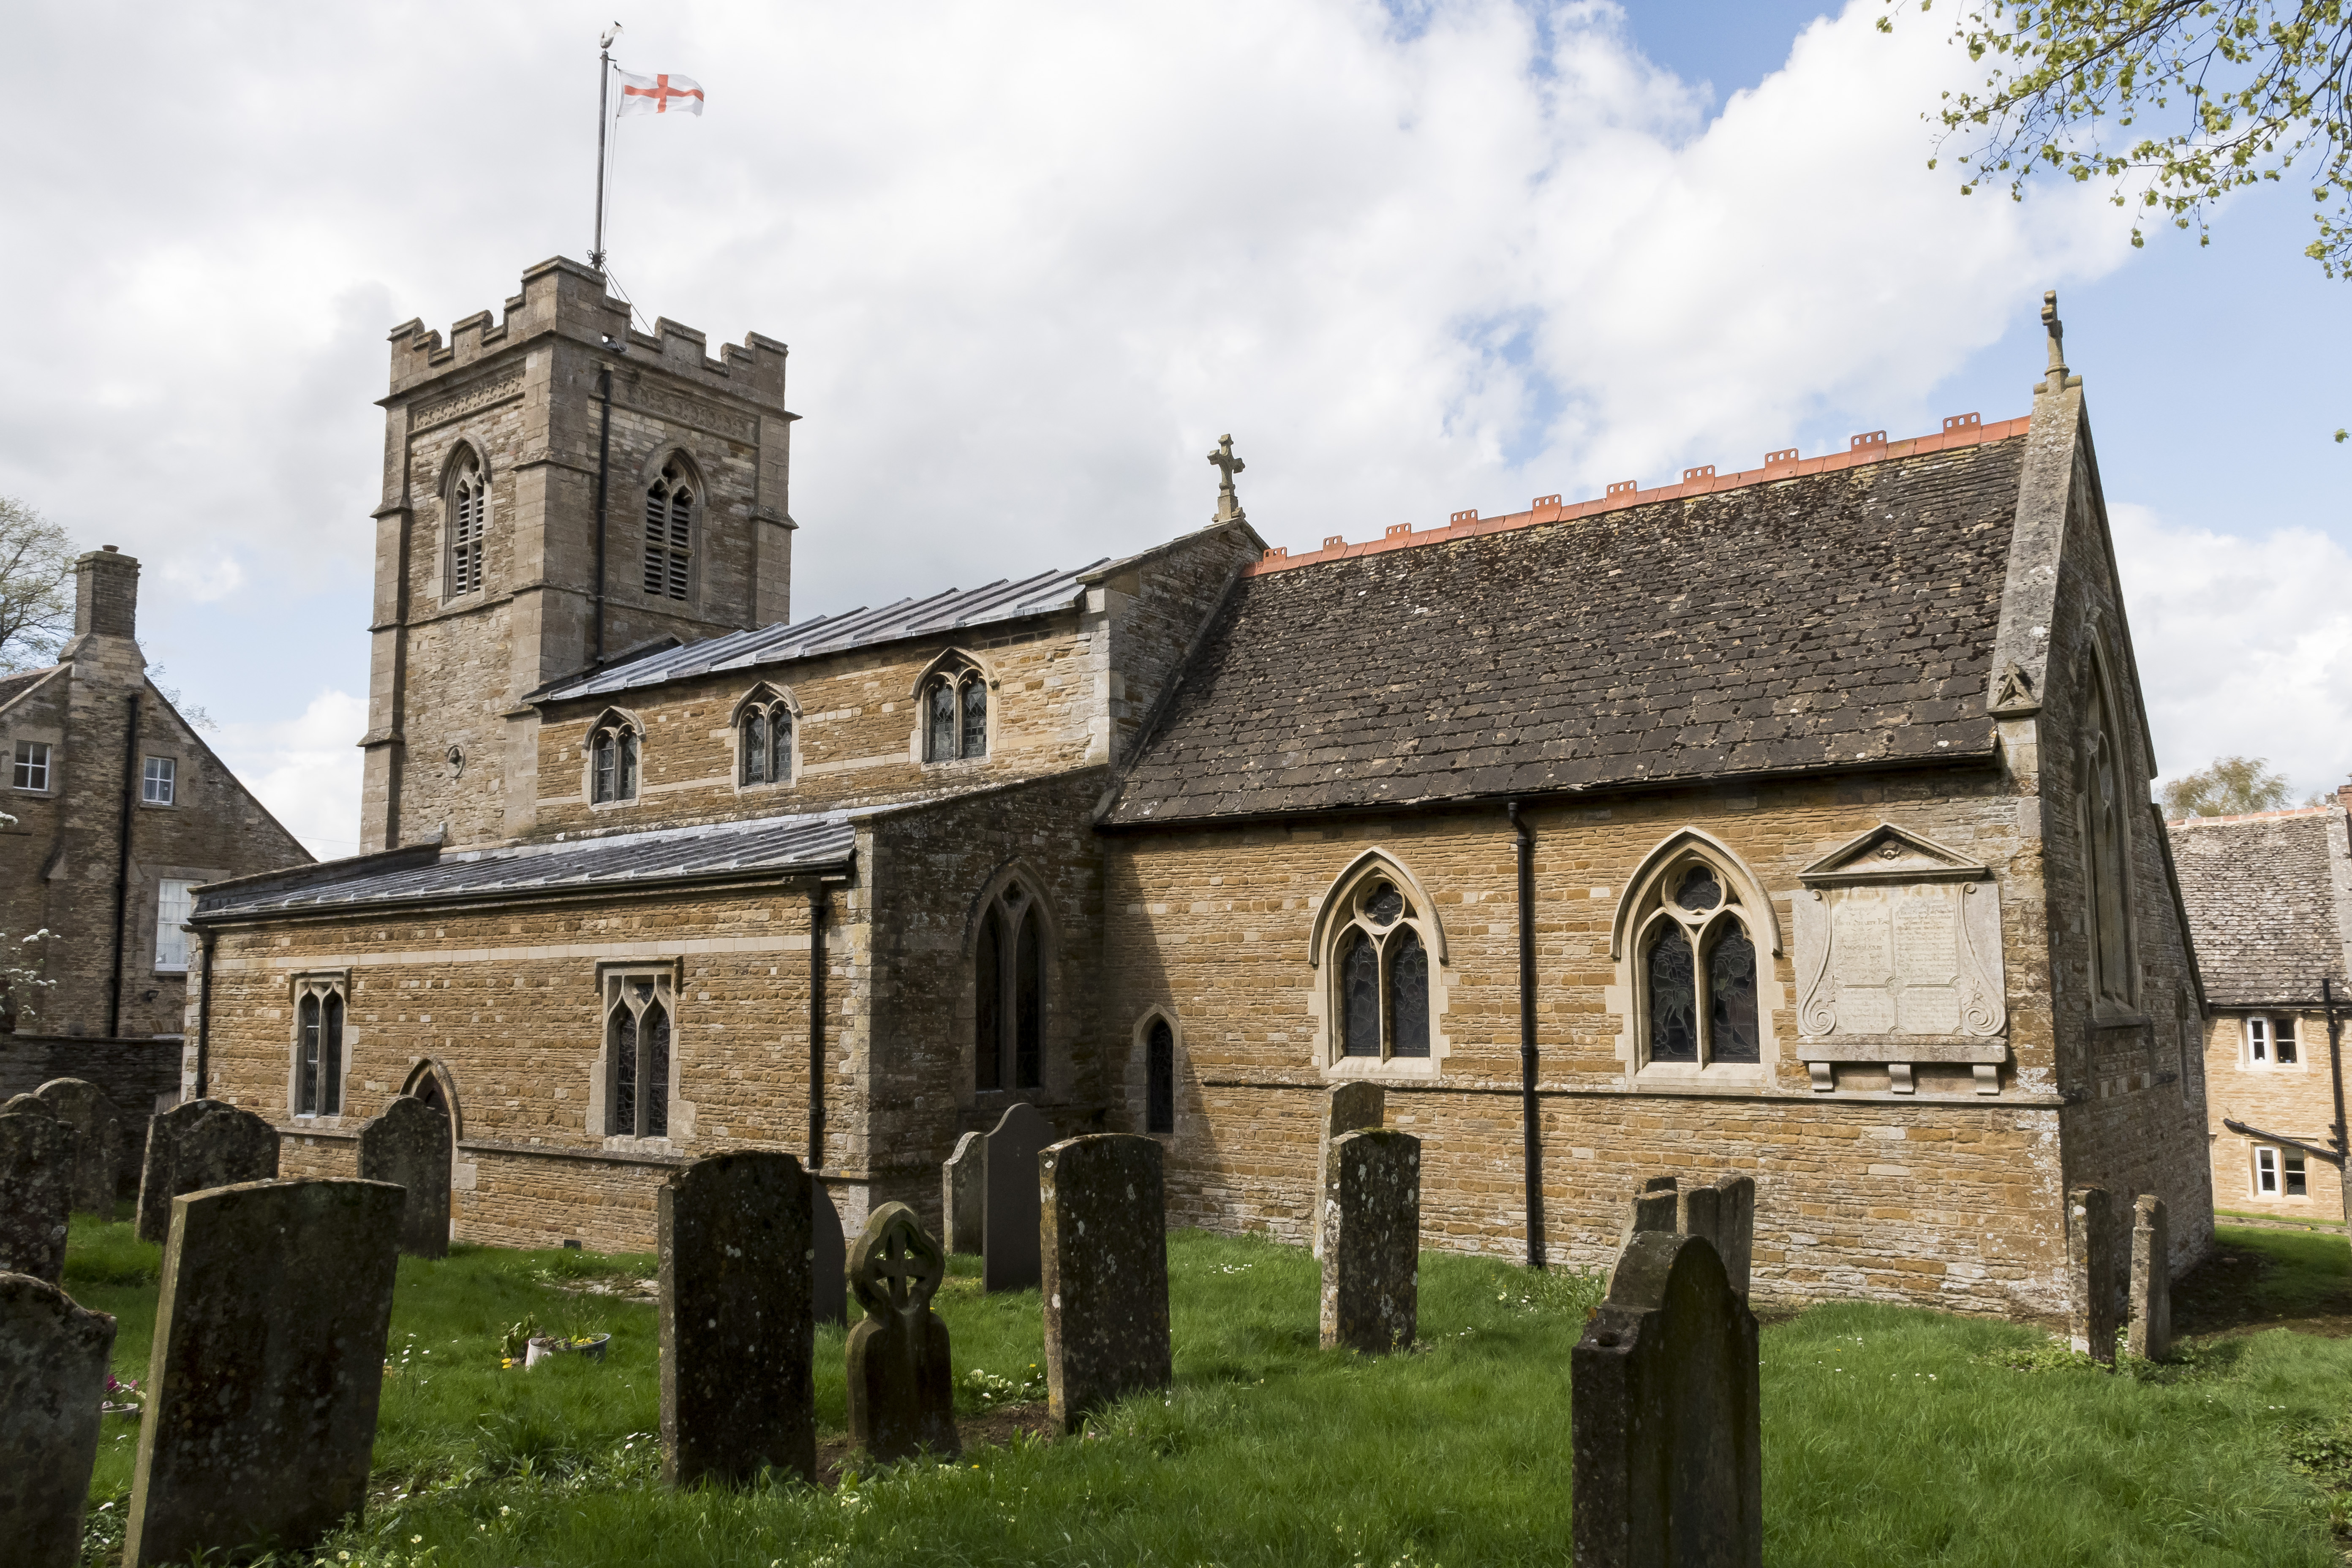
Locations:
{"points": [[1898, 959]]}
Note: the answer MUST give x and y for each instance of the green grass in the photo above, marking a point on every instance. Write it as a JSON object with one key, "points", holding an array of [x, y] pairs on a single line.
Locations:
{"points": [[1890, 1435]]}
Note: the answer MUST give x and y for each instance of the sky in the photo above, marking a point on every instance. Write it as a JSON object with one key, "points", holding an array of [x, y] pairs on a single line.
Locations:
{"points": [[1032, 261]]}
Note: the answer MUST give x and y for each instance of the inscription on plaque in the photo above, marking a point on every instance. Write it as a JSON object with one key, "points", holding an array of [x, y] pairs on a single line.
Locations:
{"points": [[1897, 937]]}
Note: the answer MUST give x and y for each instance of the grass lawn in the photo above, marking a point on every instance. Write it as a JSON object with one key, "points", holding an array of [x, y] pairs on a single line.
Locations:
{"points": [[1890, 1435]]}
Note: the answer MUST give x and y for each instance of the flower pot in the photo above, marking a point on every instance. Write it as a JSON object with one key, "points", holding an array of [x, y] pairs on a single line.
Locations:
{"points": [[591, 1348]]}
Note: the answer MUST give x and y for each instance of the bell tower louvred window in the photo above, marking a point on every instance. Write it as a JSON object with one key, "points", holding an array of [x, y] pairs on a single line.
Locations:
{"points": [[669, 533], [468, 511]]}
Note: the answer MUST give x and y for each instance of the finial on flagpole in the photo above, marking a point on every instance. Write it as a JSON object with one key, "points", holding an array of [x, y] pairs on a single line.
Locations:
{"points": [[603, 86], [1229, 504]]}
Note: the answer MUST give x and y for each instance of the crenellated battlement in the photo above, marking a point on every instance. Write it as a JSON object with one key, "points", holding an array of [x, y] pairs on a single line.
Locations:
{"points": [[562, 298]]}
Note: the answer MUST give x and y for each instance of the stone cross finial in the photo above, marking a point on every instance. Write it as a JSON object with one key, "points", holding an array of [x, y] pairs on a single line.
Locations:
{"points": [[1229, 505], [2057, 330]]}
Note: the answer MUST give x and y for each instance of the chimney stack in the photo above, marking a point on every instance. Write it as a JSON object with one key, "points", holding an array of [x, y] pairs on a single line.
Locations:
{"points": [[106, 595]]}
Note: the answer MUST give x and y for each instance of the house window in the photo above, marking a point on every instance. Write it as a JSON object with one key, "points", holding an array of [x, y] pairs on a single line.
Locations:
{"points": [[1008, 994], [470, 507], [639, 1009], [1696, 991], [319, 1048], [2266, 1173], [2270, 1042], [764, 741], [669, 533], [155, 783], [1159, 1077], [955, 714], [32, 765], [172, 900], [2292, 1159], [613, 761]]}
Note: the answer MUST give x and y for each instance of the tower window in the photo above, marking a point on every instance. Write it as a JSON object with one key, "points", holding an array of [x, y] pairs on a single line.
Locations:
{"points": [[954, 711], [613, 761], [469, 505], [669, 533], [1009, 995]]}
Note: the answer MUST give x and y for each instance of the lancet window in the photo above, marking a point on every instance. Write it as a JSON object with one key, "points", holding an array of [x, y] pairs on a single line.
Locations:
{"points": [[1379, 965], [954, 708], [763, 739], [1694, 940], [1009, 993], [2104, 819], [639, 1007], [613, 747], [319, 1048], [469, 504], [1160, 1077], [670, 531]]}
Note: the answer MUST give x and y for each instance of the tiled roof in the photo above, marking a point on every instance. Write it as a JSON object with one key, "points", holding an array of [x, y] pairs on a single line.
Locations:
{"points": [[716, 852], [13, 685], [956, 608], [2261, 895], [1837, 618]]}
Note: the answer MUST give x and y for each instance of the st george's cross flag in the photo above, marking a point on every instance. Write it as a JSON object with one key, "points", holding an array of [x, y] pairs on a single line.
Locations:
{"points": [[659, 94]]}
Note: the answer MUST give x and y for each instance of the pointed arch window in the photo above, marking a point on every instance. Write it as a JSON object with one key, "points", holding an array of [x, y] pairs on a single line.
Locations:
{"points": [[1160, 1077], [2104, 820], [670, 531], [469, 504], [613, 761], [1008, 994], [1379, 970], [1694, 962], [955, 709], [763, 739], [639, 1009], [319, 1048]]}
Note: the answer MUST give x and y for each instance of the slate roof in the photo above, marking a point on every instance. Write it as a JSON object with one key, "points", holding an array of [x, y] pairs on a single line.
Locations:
{"points": [[13, 685], [2260, 898], [1839, 619], [716, 852]]}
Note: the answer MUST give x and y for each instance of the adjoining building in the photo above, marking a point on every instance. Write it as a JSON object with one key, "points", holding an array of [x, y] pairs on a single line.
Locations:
{"points": [[2269, 898], [1792, 821]]}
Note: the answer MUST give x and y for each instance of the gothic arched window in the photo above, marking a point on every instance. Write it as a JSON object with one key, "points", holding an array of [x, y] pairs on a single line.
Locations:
{"points": [[468, 510], [319, 1048], [670, 531], [955, 709], [612, 760], [1160, 1077], [1695, 964], [1379, 961], [763, 739], [639, 1006], [2104, 820], [1008, 1047]]}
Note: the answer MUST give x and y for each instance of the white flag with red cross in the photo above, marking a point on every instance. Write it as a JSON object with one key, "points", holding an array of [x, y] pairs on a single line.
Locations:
{"points": [[659, 94]]}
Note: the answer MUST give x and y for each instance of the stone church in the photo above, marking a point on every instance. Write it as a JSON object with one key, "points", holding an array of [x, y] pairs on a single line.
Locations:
{"points": [[1792, 821]]}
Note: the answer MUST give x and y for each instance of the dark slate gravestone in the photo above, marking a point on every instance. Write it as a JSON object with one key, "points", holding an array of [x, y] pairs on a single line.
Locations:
{"points": [[197, 1144], [828, 1258], [267, 1365], [2151, 1280], [1349, 1108], [1668, 1453], [964, 1193], [902, 1377], [2091, 1273], [408, 1146], [98, 1162], [36, 1172], [52, 1376], [1372, 1242], [1009, 1240], [1724, 1212], [1105, 1242], [737, 1390]]}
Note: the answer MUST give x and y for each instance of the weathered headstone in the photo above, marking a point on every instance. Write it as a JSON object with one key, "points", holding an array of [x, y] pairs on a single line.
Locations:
{"points": [[53, 1360], [1667, 1439], [197, 1144], [1348, 1108], [27, 1102], [1656, 1207], [901, 1375], [1105, 1241], [963, 1194], [1009, 1239], [2151, 1280], [828, 1258], [267, 1367], [738, 1392], [409, 1146], [98, 1160], [36, 1172], [1372, 1242], [2091, 1273], [1724, 1211]]}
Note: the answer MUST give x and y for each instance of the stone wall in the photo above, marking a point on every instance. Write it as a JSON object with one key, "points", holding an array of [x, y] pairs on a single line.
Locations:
{"points": [[2298, 1101]]}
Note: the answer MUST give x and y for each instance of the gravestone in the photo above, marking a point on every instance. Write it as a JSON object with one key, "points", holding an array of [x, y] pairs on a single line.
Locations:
{"points": [[267, 1367], [53, 1360], [828, 1258], [2091, 1273], [1008, 1237], [409, 1146], [1656, 1207], [37, 1173], [197, 1144], [2151, 1280], [1348, 1108], [1372, 1242], [1723, 1211], [964, 1193], [1104, 1234], [738, 1392], [1665, 1429], [98, 1162], [27, 1102], [901, 1376]]}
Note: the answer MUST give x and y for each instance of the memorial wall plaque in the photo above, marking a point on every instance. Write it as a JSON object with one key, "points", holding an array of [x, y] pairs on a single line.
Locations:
{"points": [[1898, 961]]}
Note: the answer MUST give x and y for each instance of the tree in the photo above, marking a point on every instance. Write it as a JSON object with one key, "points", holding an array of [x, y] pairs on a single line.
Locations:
{"points": [[2228, 786], [36, 563]]}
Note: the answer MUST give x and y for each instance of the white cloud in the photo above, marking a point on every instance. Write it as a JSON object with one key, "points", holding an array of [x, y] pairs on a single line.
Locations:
{"points": [[305, 769]]}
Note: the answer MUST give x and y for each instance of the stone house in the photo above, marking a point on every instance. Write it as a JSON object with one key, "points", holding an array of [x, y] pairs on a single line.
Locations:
{"points": [[1791, 821], [121, 812], [2268, 898]]}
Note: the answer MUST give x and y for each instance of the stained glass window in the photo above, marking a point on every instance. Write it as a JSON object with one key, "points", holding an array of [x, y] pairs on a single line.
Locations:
{"points": [[621, 1111], [1360, 996], [1700, 891], [306, 1059], [780, 744], [939, 707], [1009, 995], [1408, 995], [1673, 997], [975, 717], [755, 746], [654, 1031], [1732, 1034], [1385, 904]]}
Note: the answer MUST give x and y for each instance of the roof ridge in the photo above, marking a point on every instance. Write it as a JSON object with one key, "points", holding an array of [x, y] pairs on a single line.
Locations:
{"points": [[1959, 430], [2251, 816]]}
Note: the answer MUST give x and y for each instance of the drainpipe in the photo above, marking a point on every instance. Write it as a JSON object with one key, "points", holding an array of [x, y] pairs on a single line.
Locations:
{"points": [[817, 1027], [2335, 1075], [204, 1016], [604, 467], [122, 861], [1530, 1111]]}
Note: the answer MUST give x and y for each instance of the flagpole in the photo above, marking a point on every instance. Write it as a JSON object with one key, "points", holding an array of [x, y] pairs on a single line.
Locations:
{"points": [[603, 86]]}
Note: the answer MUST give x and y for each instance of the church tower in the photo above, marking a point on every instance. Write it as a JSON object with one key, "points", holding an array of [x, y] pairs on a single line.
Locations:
{"points": [[494, 572]]}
